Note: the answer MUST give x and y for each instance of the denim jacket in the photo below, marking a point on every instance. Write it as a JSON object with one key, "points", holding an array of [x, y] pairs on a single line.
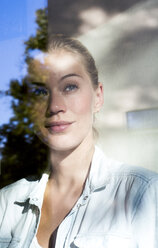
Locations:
{"points": [[117, 209]]}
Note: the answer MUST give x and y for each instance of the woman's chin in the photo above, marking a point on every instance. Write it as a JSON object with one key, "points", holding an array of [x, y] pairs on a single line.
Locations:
{"points": [[62, 146], [59, 143]]}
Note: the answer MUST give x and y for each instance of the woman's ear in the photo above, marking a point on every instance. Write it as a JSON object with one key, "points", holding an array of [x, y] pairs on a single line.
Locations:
{"points": [[99, 98]]}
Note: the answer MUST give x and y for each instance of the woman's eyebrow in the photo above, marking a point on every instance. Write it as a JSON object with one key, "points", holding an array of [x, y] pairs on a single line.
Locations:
{"points": [[38, 83], [70, 75]]}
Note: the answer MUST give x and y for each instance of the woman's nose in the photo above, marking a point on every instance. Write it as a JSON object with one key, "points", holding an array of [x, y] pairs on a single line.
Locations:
{"points": [[56, 104]]}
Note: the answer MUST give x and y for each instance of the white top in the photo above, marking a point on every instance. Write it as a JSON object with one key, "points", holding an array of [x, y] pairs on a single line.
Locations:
{"points": [[35, 243]]}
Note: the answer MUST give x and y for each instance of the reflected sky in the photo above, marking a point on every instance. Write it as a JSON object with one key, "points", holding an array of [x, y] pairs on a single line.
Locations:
{"points": [[17, 23]]}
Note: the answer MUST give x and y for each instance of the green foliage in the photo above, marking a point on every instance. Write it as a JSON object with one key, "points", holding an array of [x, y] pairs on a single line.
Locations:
{"points": [[39, 41], [22, 153]]}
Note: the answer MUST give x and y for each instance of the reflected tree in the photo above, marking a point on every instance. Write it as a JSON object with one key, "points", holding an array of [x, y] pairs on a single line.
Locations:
{"points": [[22, 153]]}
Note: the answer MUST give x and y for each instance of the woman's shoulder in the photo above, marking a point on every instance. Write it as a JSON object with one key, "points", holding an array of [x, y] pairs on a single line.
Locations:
{"points": [[21, 188], [122, 172], [17, 188], [137, 181]]}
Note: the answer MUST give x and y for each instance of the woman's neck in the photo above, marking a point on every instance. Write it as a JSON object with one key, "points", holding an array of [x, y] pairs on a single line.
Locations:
{"points": [[70, 168]]}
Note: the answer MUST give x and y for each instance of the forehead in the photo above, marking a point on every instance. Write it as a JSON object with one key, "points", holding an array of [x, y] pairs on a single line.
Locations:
{"points": [[64, 61]]}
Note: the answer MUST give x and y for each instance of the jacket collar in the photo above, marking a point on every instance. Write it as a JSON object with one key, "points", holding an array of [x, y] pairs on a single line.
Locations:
{"points": [[99, 173], [36, 196], [98, 178], [36, 191]]}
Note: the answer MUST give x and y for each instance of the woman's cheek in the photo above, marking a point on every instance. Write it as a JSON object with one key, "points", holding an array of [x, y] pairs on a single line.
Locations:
{"points": [[81, 105], [38, 113]]}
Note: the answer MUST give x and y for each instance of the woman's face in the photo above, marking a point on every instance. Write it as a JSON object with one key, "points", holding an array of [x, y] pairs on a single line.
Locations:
{"points": [[65, 104]]}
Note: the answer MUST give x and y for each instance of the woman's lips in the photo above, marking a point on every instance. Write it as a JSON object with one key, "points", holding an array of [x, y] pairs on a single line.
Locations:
{"points": [[57, 127]]}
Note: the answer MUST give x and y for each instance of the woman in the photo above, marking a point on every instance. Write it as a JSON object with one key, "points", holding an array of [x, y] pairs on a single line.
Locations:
{"points": [[87, 200]]}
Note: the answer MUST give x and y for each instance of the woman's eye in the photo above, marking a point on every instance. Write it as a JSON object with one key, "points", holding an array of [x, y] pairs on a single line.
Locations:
{"points": [[40, 92], [70, 87]]}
